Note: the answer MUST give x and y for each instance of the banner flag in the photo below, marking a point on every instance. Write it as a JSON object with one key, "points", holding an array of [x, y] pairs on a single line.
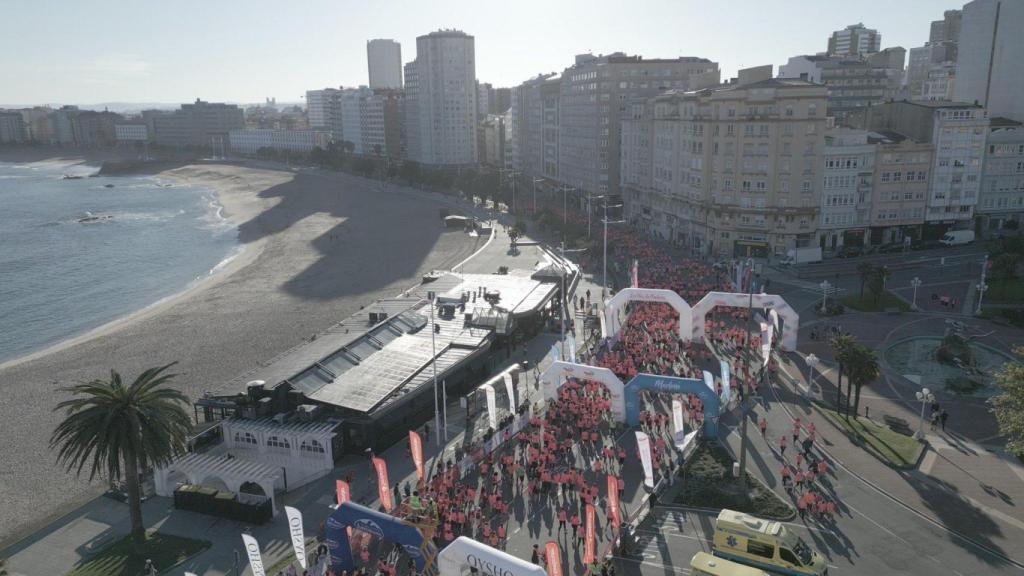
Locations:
{"points": [[252, 548], [416, 447], [775, 318], [643, 445], [636, 274], [677, 416], [726, 381], [344, 495], [553, 557], [510, 389], [298, 534], [571, 344], [710, 381], [492, 407], [766, 344], [383, 485], [555, 355], [613, 500], [590, 551]]}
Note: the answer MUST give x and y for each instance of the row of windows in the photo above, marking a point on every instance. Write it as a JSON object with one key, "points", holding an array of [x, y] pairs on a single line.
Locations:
{"points": [[310, 445], [899, 176]]}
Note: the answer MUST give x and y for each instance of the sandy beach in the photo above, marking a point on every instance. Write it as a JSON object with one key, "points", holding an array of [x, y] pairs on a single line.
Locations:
{"points": [[317, 247]]}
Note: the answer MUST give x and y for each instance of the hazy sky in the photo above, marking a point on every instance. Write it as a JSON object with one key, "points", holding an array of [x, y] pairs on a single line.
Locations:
{"points": [[87, 51]]}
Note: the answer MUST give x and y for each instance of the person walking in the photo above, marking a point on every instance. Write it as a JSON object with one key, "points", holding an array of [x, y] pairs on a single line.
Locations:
{"points": [[782, 446], [943, 416], [763, 424]]}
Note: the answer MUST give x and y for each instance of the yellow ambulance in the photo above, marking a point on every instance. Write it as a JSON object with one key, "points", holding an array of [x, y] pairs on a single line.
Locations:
{"points": [[766, 545], [704, 564]]}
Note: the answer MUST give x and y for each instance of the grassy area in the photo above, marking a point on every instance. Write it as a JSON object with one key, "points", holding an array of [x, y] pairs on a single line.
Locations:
{"points": [[709, 484], [119, 558], [870, 304], [1005, 290], [897, 450]]}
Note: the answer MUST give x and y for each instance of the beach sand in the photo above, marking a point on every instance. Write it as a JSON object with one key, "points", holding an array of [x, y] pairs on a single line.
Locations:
{"points": [[317, 246]]}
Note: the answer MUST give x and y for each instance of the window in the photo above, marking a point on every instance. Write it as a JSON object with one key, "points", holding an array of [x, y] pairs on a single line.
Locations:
{"points": [[276, 442], [812, 110], [805, 186], [311, 446], [245, 438], [760, 549], [788, 556]]}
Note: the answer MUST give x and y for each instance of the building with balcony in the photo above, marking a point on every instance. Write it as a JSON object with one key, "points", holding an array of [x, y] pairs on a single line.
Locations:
{"points": [[853, 82], [200, 124], [250, 142], [854, 40], [1001, 198], [900, 192], [846, 191]]}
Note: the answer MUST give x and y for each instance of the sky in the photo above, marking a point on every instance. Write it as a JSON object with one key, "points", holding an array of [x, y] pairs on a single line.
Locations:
{"points": [[91, 51]]}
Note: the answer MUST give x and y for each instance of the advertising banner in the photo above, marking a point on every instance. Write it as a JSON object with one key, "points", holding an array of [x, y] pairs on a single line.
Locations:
{"points": [[710, 381], [383, 485], [297, 533], [643, 445], [510, 389], [252, 548], [416, 447], [590, 549], [553, 557], [636, 274], [726, 388], [613, 500], [766, 343], [492, 406], [677, 417]]}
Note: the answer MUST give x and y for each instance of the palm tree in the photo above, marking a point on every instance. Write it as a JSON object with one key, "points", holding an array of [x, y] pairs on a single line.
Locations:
{"points": [[841, 345], [864, 270], [862, 367], [112, 427]]}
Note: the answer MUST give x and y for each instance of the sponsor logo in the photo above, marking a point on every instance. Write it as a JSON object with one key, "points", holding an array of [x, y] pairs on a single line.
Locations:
{"points": [[413, 551], [333, 524], [487, 567], [367, 525]]}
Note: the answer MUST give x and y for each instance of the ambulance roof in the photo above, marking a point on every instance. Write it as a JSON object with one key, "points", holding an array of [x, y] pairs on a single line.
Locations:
{"points": [[749, 522]]}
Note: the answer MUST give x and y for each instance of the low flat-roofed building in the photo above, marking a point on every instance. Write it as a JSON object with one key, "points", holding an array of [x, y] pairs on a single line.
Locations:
{"points": [[304, 141]]}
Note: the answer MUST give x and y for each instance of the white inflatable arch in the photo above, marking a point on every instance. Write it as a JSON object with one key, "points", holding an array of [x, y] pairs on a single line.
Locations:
{"points": [[613, 324], [488, 561], [555, 375], [775, 302]]}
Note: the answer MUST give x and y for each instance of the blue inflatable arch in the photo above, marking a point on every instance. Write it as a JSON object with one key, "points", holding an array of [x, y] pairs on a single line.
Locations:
{"points": [[673, 385], [379, 524]]}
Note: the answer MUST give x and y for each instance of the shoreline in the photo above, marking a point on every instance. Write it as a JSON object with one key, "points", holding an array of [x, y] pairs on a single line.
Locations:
{"points": [[240, 256]]}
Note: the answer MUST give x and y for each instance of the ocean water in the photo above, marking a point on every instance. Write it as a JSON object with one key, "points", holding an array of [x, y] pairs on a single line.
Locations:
{"points": [[61, 276]]}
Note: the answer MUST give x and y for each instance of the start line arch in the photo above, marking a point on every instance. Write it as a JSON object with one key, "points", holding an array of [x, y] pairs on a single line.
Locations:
{"points": [[486, 560], [613, 325], [381, 525], [555, 375], [673, 385], [791, 320]]}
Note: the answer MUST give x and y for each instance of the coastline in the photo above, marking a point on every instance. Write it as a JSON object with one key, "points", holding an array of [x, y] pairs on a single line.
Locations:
{"points": [[240, 257]]}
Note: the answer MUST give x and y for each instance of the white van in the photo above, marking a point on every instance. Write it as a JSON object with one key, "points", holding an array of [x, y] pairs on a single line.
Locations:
{"points": [[766, 545], [704, 564], [957, 237]]}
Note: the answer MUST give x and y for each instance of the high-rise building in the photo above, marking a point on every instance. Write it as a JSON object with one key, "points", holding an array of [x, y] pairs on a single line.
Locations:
{"points": [[38, 124], [380, 123], [594, 94], [928, 63], [947, 29], [323, 110], [483, 99], [12, 128], [853, 82], [901, 180], [351, 114], [384, 61], [990, 53], [63, 120], [440, 100], [199, 124], [848, 178], [534, 114], [854, 40], [731, 171], [96, 128], [1001, 199]]}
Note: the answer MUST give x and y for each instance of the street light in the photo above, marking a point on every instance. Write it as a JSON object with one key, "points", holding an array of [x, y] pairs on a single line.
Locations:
{"points": [[825, 285], [604, 281], [925, 397], [982, 286], [433, 347], [535, 180], [916, 283], [812, 362]]}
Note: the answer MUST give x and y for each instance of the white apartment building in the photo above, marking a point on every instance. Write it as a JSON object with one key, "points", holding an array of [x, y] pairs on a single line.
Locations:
{"points": [[384, 63], [854, 40], [901, 184], [131, 132], [323, 110], [249, 142], [440, 100], [990, 56], [12, 128], [846, 191], [925, 65], [351, 111], [1002, 186]]}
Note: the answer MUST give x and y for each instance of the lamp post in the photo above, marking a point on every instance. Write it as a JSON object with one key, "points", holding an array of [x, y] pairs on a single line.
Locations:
{"points": [[916, 283], [825, 286], [604, 280], [812, 362], [535, 180], [433, 348], [982, 286], [925, 397]]}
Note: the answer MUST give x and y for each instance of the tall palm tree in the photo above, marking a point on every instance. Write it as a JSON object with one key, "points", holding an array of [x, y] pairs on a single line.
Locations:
{"points": [[112, 427], [841, 345], [864, 270], [862, 368]]}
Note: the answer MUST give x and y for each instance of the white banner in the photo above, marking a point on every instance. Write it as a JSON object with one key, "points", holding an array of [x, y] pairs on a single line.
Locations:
{"points": [[510, 389], [726, 392], [298, 534], [766, 343], [775, 318], [710, 381], [571, 345], [677, 417], [492, 407], [252, 548], [643, 445], [555, 354]]}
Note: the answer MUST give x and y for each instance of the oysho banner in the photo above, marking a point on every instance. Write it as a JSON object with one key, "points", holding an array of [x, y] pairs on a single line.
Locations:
{"points": [[553, 557], [643, 445], [677, 416], [252, 548], [590, 550], [766, 343], [613, 500], [416, 448], [492, 407], [726, 381], [510, 389], [383, 485], [297, 533]]}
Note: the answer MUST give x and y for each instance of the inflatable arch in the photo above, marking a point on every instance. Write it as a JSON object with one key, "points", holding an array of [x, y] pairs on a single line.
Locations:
{"points": [[613, 324], [673, 385], [379, 524], [552, 380], [791, 320], [486, 560]]}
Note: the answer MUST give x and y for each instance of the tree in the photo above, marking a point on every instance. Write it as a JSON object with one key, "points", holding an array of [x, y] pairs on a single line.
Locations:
{"points": [[864, 270], [112, 428], [410, 172], [861, 368], [1004, 266], [841, 345], [876, 282], [1009, 403], [318, 156]]}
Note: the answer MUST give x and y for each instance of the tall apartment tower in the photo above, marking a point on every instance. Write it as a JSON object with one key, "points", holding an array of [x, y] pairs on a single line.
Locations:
{"points": [[991, 49], [947, 29], [384, 61], [440, 103], [323, 108], [854, 40]]}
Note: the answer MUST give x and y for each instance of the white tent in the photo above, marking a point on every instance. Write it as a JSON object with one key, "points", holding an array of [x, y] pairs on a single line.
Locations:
{"points": [[489, 561]]}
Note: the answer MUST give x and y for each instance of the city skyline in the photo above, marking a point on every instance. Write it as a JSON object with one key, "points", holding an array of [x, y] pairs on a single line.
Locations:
{"points": [[93, 57]]}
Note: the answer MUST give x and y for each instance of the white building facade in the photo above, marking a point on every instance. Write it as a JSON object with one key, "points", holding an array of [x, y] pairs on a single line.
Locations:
{"points": [[249, 142], [846, 191], [990, 53], [959, 139], [384, 62], [323, 109], [1002, 187]]}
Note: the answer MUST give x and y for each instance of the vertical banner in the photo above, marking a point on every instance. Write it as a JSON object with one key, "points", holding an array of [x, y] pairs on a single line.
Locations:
{"points": [[636, 274], [510, 389], [766, 343], [344, 495], [416, 447], [252, 548], [726, 389], [298, 534], [555, 354], [590, 547], [643, 445], [775, 318], [613, 500], [570, 342], [553, 558], [492, 406], [677, 417], [383, 485], [739, 278], [710, 381]]}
